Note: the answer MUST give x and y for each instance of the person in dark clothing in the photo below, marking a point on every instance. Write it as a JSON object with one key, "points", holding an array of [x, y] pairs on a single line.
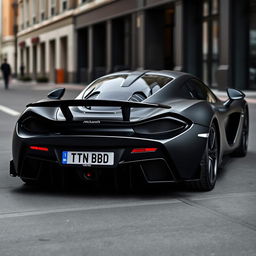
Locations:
{"points": [[6, 71], [22, 70]]}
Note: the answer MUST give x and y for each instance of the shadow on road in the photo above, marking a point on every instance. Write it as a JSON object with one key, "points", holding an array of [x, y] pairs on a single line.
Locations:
{"points": [[111, 190], [155, 191]]}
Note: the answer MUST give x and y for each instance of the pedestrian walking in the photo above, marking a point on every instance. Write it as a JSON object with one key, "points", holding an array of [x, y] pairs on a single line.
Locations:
{"points": [[22, 70], [6, 71]]}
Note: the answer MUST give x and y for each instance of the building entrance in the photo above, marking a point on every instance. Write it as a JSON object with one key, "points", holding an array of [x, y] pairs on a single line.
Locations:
{"points": [[159, 38]]}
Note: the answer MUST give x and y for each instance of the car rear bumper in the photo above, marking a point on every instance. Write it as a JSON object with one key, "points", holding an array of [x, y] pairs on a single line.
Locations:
{"points": [[175, 159]]}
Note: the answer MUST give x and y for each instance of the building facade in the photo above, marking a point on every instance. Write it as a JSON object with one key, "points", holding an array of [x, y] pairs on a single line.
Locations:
{"points": [[46, 39], [7, 30], [1, 17], [84, 39], [213, 39]]}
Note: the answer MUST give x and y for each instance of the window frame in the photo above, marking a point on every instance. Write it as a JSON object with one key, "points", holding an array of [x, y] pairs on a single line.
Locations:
{"points": [[81, 2], [67, 5], [52, 8], [27, 13], [42, 10], [34, 3]]}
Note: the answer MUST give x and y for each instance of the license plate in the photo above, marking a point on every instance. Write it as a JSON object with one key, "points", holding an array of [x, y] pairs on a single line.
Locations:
{"points": [[88, 158]]}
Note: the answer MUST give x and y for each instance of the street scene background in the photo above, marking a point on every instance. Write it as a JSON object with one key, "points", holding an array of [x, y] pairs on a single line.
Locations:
{"points": [[68, 43]]}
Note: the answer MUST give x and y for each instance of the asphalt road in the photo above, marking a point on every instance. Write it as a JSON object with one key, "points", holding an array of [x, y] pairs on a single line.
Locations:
{"points": [[168, 221]]}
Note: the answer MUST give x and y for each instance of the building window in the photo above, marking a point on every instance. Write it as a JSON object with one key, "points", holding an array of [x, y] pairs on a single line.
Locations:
{"points": [[210, 41], [34, 11], [22, 17], [42, 9], [27, 12], [85, 1], [252, 45], [64, 5], [52, 7]]}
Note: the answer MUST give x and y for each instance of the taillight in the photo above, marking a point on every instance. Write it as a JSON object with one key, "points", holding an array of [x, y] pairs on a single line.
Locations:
{"points": [[39, 148], [143, 150], [160, 126]]}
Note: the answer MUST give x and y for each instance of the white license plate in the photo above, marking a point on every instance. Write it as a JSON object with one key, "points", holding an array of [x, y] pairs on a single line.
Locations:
{"points": [[88, 158]]}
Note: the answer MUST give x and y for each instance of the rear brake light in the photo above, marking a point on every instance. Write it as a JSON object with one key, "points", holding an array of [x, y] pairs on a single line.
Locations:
{"points": [[39, 148], [144, 150]]}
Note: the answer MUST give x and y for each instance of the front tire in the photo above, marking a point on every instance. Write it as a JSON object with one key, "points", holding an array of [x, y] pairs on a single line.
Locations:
{"points": [[209, 163]]}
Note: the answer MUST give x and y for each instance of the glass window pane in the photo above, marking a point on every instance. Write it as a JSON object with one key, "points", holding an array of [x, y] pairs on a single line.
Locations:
{"points": [[205, 73], [214, 69], [215, 6], [205, 40], [215, 39], [205, 8]]}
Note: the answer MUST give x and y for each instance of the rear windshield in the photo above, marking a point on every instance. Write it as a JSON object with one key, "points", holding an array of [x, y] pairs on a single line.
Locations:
{"points": [[145, 85], [160, 80]]}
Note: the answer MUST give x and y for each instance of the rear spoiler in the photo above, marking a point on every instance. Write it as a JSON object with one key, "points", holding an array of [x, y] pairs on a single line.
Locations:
{"points": [[124, 105]]}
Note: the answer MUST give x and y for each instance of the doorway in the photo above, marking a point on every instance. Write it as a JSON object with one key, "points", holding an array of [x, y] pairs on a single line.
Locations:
{"points": [[82, 55], [34, 74], [159, 38], [64, 57], [121, 46], [99, 50], [52, 58]]}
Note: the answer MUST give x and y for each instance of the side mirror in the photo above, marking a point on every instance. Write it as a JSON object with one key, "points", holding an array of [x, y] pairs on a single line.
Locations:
{"points": [[56, 94], [234, 94]]}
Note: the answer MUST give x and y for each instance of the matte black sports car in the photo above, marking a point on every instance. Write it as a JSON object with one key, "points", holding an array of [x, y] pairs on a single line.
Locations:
{"points": [[159, 126]]}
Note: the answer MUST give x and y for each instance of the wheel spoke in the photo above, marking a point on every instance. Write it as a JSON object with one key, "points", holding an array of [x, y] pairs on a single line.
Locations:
{"points": [[212, 155]]}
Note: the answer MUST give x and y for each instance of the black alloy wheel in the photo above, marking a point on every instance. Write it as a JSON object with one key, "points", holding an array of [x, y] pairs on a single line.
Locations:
{"points": [[209, 163]]}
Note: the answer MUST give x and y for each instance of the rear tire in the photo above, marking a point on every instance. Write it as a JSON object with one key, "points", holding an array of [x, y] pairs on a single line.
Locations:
{"points": [[241, 151], [209, 163]]}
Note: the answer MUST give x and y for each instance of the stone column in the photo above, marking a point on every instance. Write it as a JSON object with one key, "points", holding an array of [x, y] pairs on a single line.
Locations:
{"points": [[58, 53], [178, 36], [39, 68], [223, 74], [109, 46], [31, 60], [72, 55], [47, 59], [134, 42], [90, 53], [141, 39], [19, 58]]}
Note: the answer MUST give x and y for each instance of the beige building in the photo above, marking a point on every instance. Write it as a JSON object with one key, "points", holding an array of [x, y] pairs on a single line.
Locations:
{"points": [[7, 24], [80, 40], [46, 39], [0, 32]]}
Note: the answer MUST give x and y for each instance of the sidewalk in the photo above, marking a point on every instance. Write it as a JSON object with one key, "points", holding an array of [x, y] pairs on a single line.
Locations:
{"points": [[46, 86]]}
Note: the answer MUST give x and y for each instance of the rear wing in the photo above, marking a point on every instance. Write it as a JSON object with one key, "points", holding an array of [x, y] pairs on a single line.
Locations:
{"points": [[124, 105]]}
